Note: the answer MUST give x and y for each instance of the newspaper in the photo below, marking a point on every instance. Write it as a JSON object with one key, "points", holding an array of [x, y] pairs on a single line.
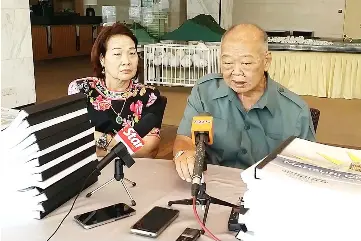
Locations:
{"points": [[7, 116]]}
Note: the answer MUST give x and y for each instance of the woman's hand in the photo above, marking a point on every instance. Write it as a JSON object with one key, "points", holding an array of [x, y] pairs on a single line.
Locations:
{"points": [[149, 150]]}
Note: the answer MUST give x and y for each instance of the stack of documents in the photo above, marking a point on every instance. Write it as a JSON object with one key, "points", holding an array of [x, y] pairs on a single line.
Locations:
{"points": [[303, 191], [48, 151], [7, 116]]}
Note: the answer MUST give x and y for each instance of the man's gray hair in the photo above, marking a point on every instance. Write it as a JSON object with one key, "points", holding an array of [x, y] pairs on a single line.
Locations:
{"points": [[264, 33]]}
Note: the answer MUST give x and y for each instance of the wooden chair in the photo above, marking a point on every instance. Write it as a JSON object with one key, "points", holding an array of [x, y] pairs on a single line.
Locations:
{"points": [[164, 103], [315, 115]]}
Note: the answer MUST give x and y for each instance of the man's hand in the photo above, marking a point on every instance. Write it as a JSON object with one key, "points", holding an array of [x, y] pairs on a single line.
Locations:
{"points": [[185, 165]]}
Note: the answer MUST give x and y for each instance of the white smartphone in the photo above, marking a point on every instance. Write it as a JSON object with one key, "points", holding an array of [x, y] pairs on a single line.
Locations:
{"points": [[153, 223], [104, 215]]}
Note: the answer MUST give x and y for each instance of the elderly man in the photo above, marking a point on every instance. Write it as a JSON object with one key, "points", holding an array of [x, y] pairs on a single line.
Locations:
{"points": [[252, 114]]}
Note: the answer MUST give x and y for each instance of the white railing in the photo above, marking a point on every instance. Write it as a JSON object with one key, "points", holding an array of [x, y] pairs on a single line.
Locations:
{"points": [[179, 64]]}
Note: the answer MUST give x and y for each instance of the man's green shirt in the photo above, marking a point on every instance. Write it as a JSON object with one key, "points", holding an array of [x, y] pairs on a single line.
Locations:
{"points": [[241, 138]]}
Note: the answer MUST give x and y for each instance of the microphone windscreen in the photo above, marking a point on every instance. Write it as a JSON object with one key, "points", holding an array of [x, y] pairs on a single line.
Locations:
{"points": [[202, 124]]}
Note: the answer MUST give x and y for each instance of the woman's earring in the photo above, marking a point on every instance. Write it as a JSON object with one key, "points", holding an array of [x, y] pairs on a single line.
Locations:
{"points": [[103, 70]]}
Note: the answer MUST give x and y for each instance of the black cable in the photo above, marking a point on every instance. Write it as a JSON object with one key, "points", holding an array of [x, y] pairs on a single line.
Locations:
{"points": [[71, 208]]}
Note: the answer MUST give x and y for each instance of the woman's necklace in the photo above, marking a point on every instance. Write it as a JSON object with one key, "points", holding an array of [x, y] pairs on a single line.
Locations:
{"points": [[119, 118]]}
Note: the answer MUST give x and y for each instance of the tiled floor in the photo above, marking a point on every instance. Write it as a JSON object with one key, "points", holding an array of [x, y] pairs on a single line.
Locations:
{"points": [[340, 120]]}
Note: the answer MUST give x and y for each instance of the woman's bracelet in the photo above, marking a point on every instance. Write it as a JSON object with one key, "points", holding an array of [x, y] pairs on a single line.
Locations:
{"points": [[103, 142], [106, 146]]}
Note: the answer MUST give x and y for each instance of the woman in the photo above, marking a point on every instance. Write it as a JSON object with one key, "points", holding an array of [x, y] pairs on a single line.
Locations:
{"points": [[114, 99]]}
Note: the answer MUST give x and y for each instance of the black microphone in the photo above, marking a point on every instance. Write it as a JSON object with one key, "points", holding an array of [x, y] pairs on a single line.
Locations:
{"points": [[142, 128], [199, 157]]}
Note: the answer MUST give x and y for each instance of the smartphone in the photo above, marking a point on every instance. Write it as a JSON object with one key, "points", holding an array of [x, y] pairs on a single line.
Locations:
{"points": [[153, 223], [104, 215]]}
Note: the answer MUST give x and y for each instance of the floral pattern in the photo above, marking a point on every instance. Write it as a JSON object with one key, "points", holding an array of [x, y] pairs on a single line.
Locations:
{"points": [[151, 100], [137, 108], [100, 103], [133, 103]]}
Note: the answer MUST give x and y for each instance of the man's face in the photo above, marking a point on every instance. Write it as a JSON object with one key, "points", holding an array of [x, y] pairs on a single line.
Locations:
{"points": [[243, 64]]}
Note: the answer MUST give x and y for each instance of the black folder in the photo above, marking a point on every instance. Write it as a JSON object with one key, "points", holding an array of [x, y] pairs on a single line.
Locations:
{"points": [[68, 192]]}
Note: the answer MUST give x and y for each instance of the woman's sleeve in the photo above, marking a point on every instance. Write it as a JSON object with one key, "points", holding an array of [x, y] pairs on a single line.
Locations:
{"points": [[156, 106], [73, 88]]}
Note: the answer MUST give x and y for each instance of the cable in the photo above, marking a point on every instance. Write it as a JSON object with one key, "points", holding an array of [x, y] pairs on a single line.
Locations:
{"points": [[201, 223], [71, 208]]}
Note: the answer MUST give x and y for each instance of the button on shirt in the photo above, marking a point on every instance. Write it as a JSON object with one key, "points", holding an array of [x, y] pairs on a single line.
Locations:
{"points": [[241, 138]]}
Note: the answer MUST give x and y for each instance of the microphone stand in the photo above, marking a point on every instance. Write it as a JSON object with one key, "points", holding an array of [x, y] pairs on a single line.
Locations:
{"points": [[118, 176], [202, 198], [122, 158]]}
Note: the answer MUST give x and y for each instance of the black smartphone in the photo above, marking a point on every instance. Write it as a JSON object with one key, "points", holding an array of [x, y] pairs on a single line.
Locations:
{"points": [[153, 223], [104, 215]]}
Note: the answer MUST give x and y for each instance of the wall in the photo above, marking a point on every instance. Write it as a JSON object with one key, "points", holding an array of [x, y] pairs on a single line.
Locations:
{"points": [[177, 14], [209, 7], [212, 7], [122, 8], [353, 19], [226, 17], [60, 5], [320, 16], [17, 67]]}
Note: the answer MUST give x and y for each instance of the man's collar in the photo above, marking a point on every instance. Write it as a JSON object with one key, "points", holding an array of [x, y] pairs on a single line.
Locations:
{"points": [[222, 91], [268, 99]]}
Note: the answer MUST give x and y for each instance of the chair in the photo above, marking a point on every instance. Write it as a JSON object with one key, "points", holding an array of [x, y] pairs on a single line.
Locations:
{"points": [[164, 101], [315, 115]]}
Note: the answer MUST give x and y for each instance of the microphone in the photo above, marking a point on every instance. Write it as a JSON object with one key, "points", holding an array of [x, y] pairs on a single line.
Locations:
{"points": [[130, 138], [129, 141], [202, 134]]}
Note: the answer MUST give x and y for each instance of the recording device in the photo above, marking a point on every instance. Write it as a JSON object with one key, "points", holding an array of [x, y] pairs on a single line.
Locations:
{"points": [[129, 140], [104, 215], [189, 234], [202, 134], [235, 223], [153, 223]]}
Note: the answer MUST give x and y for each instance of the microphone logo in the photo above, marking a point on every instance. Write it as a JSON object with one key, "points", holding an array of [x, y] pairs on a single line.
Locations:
{"points": [[201, 122], [130, 138]]}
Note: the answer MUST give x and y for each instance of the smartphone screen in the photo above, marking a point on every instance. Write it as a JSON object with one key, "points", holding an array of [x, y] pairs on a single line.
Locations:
{"points": [[156, 220], [102, 215]]}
